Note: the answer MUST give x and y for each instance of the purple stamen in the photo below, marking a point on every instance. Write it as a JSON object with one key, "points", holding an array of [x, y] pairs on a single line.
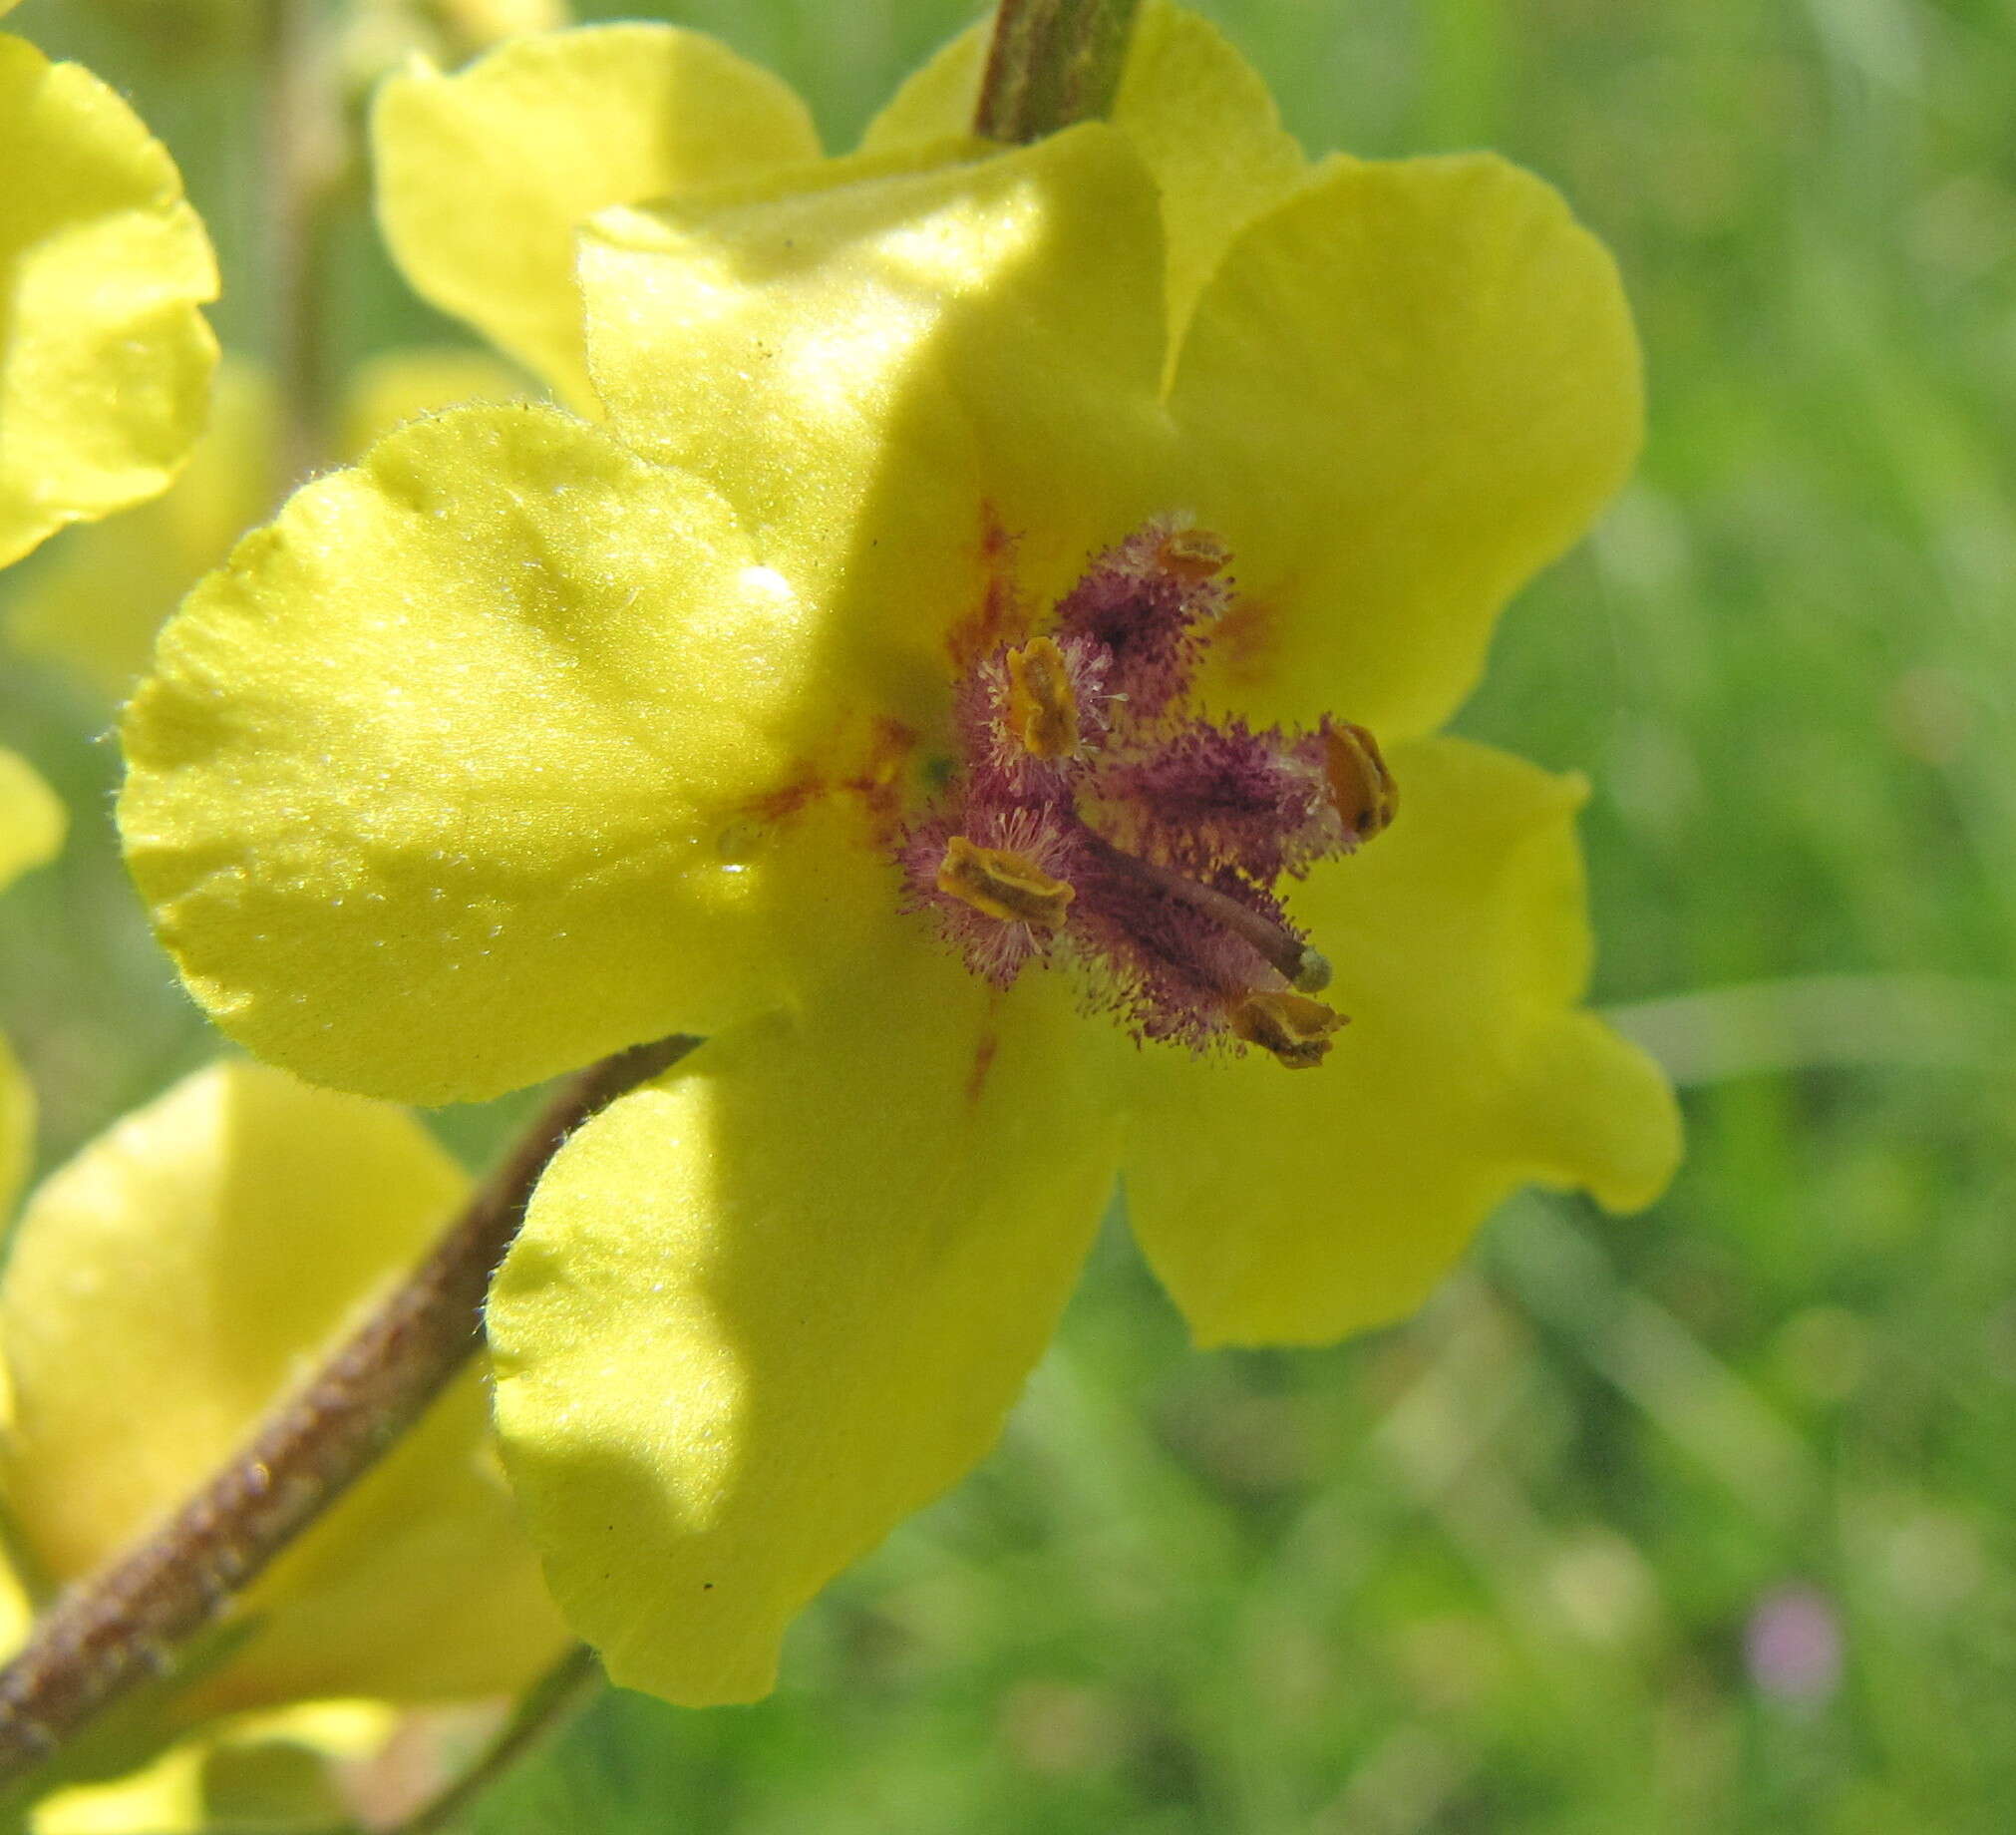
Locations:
{"points": [[1090, 815]]}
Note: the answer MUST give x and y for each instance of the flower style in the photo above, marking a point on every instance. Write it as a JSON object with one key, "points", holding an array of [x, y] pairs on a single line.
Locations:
{"points": [[970, 675], [161, 1290], [100, 593], [106, 364]]}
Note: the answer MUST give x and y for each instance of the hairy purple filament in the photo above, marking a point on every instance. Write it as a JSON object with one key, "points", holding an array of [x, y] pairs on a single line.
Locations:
{"points": [[1149, 838]]}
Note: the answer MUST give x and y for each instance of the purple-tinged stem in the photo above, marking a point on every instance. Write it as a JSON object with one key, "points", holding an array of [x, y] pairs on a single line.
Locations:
{"points": [[1052, 63], [123, 1626]]}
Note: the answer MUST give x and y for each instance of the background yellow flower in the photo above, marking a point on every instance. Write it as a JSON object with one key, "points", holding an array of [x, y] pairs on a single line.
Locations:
{"points": [[161, 1290], [96, 599], [31, 830], [106, 360]]}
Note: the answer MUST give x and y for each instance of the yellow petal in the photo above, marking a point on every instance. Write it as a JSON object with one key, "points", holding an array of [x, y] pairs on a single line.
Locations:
{"points": [[31, 830], [31, 821], [17, 1609], [397, 386], [169, 1284], [271, 1771], [164, 1797], [1406, 389], [97, 599], [17, 1127], [438, 787], [103, 593], [106, 361], [1196, 111], [898, 368], [1298, 1206], [485, 22], [767, 1307], [483, 176]]}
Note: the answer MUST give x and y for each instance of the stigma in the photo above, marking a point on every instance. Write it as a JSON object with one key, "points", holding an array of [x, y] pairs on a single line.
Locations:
{"points": [[1095, 818]]}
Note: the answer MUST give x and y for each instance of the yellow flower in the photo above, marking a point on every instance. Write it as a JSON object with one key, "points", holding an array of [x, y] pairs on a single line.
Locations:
{"points": [[31, 830], [106, 361], [99, 594], [484, 178], [948, 679], [161, 1292], [276, 1771], [381, 36]]}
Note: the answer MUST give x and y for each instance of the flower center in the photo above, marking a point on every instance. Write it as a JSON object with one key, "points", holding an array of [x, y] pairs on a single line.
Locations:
{"points": [[1090, 814]]}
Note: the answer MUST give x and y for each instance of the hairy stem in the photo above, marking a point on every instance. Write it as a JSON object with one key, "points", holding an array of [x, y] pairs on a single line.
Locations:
{"points": [[122, 1628], [1052, 63]]}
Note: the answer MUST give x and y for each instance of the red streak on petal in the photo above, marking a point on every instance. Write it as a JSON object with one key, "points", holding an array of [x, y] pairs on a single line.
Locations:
{"points": [[983, 1062], [878, 783], [787, 799], [1001, 613]]}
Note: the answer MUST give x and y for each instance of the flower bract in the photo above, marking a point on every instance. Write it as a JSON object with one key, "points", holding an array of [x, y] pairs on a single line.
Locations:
{"points": [[981, 668]]}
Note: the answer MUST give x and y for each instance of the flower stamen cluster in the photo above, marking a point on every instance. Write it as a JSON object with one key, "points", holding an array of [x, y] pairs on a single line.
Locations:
{"points": [[1092, 813]]}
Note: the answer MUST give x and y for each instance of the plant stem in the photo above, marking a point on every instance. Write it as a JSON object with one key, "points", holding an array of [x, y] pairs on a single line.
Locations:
{"points": [[1052, 63], [123, 1626], [304, 155], [554, 1700]]}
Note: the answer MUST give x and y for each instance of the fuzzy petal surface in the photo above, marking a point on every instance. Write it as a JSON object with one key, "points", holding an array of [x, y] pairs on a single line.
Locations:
{"points": [[434, 786], [1296, 1207], [767, 1307], [483, 176], [171, 1283], [105, 359], [1196, 111], [902, 370], [1405, 390], [32, 823]]}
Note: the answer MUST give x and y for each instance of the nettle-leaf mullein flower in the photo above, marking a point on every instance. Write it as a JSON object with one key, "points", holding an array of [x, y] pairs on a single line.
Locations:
{"points": [[106, 361], [167, 1286], [981, 672]]}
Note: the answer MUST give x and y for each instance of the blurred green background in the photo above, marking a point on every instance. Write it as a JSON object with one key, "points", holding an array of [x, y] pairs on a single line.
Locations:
{"points": [[1695, 1522]]}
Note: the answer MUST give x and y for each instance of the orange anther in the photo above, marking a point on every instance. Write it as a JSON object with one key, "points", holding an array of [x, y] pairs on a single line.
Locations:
{"points": [[1360, 784], [1293, 1027], [1002, 885], [1042, 710], [1193, 553]]}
